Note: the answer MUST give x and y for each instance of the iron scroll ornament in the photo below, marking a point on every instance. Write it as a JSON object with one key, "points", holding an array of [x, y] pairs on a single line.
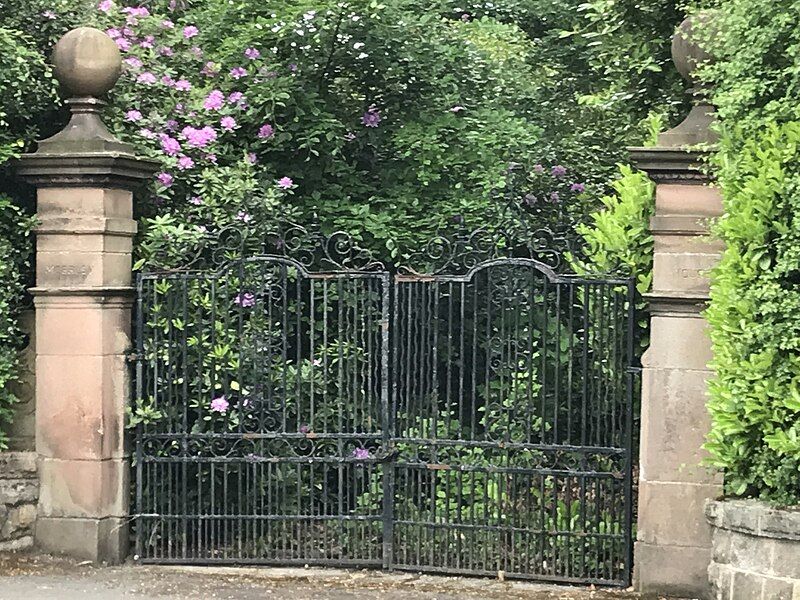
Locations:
{"points": [[453, 250]]}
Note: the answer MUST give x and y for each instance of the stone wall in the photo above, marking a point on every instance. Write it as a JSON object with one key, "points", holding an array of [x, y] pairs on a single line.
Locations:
{"points": [[19, 492], [756, 551]]}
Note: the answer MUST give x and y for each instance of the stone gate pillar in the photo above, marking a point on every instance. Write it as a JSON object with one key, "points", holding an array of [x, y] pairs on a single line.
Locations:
{"points": [[672, 551], [83, 300]]}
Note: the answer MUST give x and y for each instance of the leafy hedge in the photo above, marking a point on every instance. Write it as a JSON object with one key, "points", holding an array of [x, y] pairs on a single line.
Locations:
{"points": [[25, 87], [755, 317]]}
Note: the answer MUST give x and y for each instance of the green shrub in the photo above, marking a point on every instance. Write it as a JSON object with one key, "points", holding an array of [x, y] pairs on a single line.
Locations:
{"points": [[25, 88], [617, 238], [15, 250], [755, 317]]}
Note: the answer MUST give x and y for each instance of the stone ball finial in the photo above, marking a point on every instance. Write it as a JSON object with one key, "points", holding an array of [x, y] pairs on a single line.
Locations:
{"points": [[687, 53], [87, 62]]}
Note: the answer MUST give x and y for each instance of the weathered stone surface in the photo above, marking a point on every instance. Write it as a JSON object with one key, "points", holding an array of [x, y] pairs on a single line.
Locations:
{"points": [[747, 585], [756, 551], [673, 426], [719, 578], [671, 514], [23, 543], [17, 465], [679, 571], [97, 540], [19, 491], [679, 343], [778, 589]]}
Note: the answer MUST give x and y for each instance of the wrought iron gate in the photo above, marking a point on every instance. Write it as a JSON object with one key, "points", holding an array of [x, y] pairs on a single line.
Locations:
{"points": [[308, 405]]}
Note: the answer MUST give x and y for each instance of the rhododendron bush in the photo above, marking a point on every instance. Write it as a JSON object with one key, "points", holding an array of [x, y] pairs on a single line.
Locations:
{"points": [[384, 121]]}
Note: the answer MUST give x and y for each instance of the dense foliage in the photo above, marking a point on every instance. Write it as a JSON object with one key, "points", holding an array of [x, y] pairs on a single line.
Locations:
{"points": [[617, 239], [755, 399], [755, 328], [388, 120]]}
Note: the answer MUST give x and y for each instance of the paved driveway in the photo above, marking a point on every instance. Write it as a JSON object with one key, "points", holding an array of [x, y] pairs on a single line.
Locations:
{"points": [[29, 577]]}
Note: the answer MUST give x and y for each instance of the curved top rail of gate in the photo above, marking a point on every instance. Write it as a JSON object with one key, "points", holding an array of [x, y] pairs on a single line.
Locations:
{"points": [[455, 253], [307, 248]]}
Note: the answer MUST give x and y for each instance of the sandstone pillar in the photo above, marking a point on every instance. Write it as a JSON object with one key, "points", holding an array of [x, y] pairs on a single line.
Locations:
{"points": [[672, 551], [83, 299]]}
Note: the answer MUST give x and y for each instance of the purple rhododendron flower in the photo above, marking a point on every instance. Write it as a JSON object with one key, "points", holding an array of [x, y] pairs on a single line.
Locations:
{"points": [[147, 133], [123, 44], [167, 81], [457, 109], [105, 6], [238, 72], [252, 53], [197, 52], [554, 197], [235, 97], [304, 429], [136, 11], [185, 162], [147, 42], [190, 31], [244, 217], [293, 67], [199, 138], [167, 24], [113, 33], [133, 61], [196, 200], [245, 300], [285, 183], [182, 85], [127, 32], [371, 118], [530, 199], [214, 100], [266, 131], [558, 171], [170, 145], [146, 78], [212, 158], [219, 405], [252, 158], [578, 187], [166, 51], [538, 169], [133, 115], [227, 123], [49, 14], [171, 125], [166, 179], [361, 454]]}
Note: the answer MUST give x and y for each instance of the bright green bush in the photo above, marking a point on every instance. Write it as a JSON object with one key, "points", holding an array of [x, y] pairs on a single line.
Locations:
{"points": [[754, 317], [617, 238]]}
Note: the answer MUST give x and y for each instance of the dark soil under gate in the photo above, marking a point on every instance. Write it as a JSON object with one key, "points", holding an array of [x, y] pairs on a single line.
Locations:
{"points": [[33, 577]]}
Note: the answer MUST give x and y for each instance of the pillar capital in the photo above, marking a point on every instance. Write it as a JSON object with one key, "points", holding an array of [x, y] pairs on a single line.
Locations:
{"points": [[85, 153]]}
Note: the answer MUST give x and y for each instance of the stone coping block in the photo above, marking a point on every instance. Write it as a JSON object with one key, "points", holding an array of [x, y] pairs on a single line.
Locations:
{"points": [[755, 518]]}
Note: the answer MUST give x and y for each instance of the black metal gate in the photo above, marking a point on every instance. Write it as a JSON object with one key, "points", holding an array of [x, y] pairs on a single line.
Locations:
{"points": [[307, 405]]}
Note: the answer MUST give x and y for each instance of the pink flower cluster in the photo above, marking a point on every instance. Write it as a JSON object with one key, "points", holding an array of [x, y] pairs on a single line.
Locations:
{"points": [[199, 138], [214, 101]]}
